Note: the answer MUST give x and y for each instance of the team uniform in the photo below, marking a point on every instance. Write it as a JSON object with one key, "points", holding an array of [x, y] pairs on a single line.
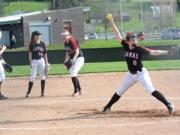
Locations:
{"points": [[2, 74], [70, 46], [38, 51], [136, 73]]}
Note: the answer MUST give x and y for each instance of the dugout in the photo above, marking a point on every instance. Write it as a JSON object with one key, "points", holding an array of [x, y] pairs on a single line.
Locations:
{"points": [[49, 23]]}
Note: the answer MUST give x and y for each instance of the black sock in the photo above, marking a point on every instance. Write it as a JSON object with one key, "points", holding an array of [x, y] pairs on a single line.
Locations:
{"points": [[113, 100], [0, 88], [79, 86], [30, 85], [43, 82], [160, 97], [75, 84]]}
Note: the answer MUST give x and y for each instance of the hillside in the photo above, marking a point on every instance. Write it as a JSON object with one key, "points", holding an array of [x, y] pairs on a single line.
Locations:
{"points": [[25, 7], [133, 9]]}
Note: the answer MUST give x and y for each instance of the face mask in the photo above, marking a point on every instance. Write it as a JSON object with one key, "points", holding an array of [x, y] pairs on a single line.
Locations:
{"points": [[65, 35], [135, 41]]}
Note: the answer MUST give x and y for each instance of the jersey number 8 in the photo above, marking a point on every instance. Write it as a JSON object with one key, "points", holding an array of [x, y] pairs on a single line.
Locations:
{"points": [[134, 62]]}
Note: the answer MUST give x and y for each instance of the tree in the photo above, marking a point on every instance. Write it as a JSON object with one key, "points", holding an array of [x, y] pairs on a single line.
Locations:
{"points": [[1, 7], [178, 5]]}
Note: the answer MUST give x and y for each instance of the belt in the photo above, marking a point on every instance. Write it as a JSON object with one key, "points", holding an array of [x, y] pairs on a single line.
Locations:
{"points": [[135, 72], [37, 59]]}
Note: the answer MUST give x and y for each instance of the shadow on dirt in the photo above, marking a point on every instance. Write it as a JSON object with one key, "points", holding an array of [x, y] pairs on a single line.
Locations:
{"points": [[95, 114]]}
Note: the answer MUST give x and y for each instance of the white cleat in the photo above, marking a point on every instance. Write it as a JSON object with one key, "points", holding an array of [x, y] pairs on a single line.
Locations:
{"points": [[106, 110], [75, 94]]}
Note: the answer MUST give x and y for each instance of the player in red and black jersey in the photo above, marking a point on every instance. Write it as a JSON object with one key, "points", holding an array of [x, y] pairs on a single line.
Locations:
{"points": [[74, 56], [133, 54]]}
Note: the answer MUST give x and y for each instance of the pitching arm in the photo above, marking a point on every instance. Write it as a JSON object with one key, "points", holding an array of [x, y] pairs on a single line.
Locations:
{"points": [[114, 28], [158, 52]]}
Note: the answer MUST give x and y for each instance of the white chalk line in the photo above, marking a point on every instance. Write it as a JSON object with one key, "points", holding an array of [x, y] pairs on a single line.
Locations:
{"points": [[91, 126], [49, 101], [101, 99]]}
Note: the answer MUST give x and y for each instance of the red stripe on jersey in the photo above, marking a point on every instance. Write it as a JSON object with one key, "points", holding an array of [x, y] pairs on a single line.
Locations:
{"points": [[74, 43]]}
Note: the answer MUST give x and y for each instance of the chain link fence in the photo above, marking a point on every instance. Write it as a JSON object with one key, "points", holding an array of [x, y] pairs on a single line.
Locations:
{"points": [[158, 19]]}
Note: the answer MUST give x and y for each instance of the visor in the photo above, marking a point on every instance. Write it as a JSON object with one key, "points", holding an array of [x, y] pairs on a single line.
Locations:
{"points": [[64, 33], [36, 33]]}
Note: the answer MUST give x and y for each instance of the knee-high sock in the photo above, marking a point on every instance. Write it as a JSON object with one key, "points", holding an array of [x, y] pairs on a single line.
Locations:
{"points": [[0, 88], [75, 84], [160, 97], [79, 86], [30, 85], [43, 82], [113, 100]]}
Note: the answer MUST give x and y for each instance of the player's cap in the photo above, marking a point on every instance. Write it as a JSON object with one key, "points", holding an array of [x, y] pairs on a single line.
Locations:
{"points": [[130, 35], [140, 34], [36, 33]]}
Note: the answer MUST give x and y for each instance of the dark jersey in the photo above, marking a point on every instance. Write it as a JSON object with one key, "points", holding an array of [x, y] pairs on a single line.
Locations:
{"points": [[37, 50], [134, 57], [1, 57], [71, 46]]}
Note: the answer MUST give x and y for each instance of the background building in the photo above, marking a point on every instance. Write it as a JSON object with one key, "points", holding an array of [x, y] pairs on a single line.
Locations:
{"points": [[49, 23]]}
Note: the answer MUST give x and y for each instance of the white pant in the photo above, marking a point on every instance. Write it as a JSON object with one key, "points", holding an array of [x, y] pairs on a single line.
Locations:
{"points": [[130, 79], [38, 64], [79, 62], [2, 74]]}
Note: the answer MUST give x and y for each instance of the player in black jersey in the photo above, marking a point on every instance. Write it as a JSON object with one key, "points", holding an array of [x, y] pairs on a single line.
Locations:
{"points": [[74, 57], [136, 72], [38, 59]]}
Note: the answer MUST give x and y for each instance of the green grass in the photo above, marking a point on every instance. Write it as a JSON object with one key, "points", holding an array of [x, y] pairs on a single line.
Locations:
{"points": [[26, 7], [58, 69], [178, 19], [89, 44]]}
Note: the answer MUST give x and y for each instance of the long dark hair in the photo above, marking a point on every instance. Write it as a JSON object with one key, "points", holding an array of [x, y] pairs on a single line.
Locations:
{"points": [[32, 37]]}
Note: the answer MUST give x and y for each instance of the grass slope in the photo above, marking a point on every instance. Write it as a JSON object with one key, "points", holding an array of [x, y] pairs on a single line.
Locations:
{"points": [[26, 7]]}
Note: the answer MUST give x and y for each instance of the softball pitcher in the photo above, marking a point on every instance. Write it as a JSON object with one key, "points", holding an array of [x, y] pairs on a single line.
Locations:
{"points": [[2, 74], [38, 59], [74, 60], [137, 73]]}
